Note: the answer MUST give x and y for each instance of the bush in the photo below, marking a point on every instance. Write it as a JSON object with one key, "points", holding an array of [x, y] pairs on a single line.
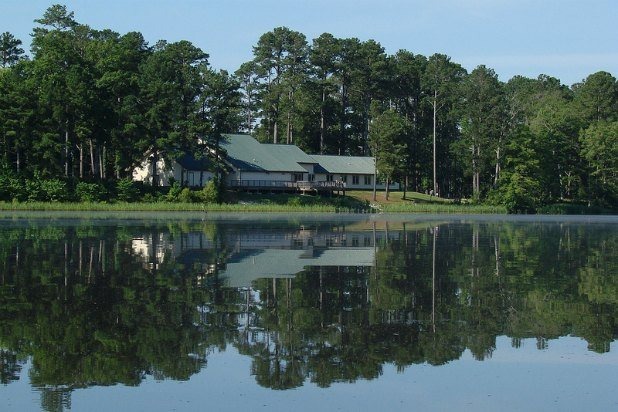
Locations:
{"points": [[126, 190], [11, 187], [54, 190], [294, 201], [90, 192], [209, 193], [174, 192], [186, 196]]}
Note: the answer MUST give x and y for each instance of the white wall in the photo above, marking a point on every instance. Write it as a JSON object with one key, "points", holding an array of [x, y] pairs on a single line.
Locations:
{"points": [[273, 176], [320, 177], [195, 178], [143, 172], [307, 166]]}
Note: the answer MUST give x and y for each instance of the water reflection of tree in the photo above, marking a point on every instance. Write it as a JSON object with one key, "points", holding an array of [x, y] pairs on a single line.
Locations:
{"points": [[88, 310]]}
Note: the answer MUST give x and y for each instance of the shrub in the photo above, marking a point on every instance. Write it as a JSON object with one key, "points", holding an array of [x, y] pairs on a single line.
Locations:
{"points": [[174, 192], [54, 190], [126, 190], [90, 192], [209, 193], [11, 187], [186, 196]]}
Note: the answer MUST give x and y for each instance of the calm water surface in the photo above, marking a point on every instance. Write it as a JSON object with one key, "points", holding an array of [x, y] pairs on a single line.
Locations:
{"points": [[159, 312]]}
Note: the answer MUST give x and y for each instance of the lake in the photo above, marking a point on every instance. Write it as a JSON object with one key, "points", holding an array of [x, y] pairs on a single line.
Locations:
{"points": [[177, 311]]}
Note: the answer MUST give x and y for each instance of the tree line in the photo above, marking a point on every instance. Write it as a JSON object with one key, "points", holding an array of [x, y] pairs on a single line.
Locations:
{"points": [[89, 104]]}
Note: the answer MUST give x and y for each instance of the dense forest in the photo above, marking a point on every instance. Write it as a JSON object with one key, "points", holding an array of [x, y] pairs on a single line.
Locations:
{"points": [[87, 104]]}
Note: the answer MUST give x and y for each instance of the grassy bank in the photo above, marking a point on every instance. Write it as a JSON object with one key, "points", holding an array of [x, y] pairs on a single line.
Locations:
{"points": [[353, 202], [415, 202]]}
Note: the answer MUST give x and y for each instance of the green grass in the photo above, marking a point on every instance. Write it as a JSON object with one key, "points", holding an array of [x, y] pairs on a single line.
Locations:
{"points": [[168, 206], [575, 209], [353, 202], [415, 202]]}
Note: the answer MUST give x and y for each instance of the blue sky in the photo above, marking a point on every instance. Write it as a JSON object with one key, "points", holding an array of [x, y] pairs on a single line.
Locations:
{"points": [[567, 39]]}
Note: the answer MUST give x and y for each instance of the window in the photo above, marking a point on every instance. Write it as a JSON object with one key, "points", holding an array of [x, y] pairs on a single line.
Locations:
{"points": [[311, 177], [329, 178], [344, 178], [367, 179], [355, 180], [298, 177]]}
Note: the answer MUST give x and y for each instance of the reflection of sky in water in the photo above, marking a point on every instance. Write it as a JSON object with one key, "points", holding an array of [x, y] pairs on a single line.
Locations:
{"points": [[563, 377]]}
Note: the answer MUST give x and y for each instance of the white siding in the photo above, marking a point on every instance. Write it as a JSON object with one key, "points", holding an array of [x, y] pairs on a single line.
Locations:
{"points": [[196, 178], [143, 172], [273, 176], [307, 166], [321, 177]]}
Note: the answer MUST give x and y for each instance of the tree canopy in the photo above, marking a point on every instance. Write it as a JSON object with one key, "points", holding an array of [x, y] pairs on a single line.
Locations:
{"points": [[88, 104]]}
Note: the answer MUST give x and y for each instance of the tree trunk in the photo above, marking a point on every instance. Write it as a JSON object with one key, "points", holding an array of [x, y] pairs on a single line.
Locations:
{"points": [[435, 112], [154, 160], [322, 121], [289, 129], [375, 176], [388, 180], [81, 161], [478, 172], [93, 167], [66, 148], [103, 160], [342, 121], [497, 176], [100, 163]]}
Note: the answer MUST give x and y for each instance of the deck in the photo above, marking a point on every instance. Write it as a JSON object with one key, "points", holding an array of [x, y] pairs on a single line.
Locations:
{"points": [[287, 186]]}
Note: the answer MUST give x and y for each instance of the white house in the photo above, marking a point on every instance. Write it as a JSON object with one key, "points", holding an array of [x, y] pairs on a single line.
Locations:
{"points": [[186, 170], [259, 166]]}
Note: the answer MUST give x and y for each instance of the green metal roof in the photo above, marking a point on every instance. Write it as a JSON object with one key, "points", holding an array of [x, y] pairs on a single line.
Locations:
{"points": [[246, 153], [346, 164], [251, 265]]}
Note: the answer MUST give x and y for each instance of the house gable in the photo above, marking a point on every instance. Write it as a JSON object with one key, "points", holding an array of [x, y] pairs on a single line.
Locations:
{"points": [[248, 155]]}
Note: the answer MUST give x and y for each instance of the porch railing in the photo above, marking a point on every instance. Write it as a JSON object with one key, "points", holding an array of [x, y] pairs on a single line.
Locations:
{"points": [[287, 185]]}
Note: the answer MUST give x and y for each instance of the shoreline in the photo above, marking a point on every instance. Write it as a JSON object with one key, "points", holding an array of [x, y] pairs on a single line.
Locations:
{"points": [[248, 207]]}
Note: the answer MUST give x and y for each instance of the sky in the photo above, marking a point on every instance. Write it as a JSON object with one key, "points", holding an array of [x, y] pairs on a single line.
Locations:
{"points": [[567, 39]]}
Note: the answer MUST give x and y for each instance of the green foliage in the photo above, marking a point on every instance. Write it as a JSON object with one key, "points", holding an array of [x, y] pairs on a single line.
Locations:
{"points": [[126, 190], [186, 196], [388, 137], [520, 193], [600, 149], [519, 188], [90, 103], [38, 189], [174, 192], [91, 192], [11, 186], [209, 193]]}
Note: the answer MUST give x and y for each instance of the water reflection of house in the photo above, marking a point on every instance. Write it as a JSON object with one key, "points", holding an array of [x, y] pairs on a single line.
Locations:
{"points": [[152, 248], [244, 268], [243, 256]]}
